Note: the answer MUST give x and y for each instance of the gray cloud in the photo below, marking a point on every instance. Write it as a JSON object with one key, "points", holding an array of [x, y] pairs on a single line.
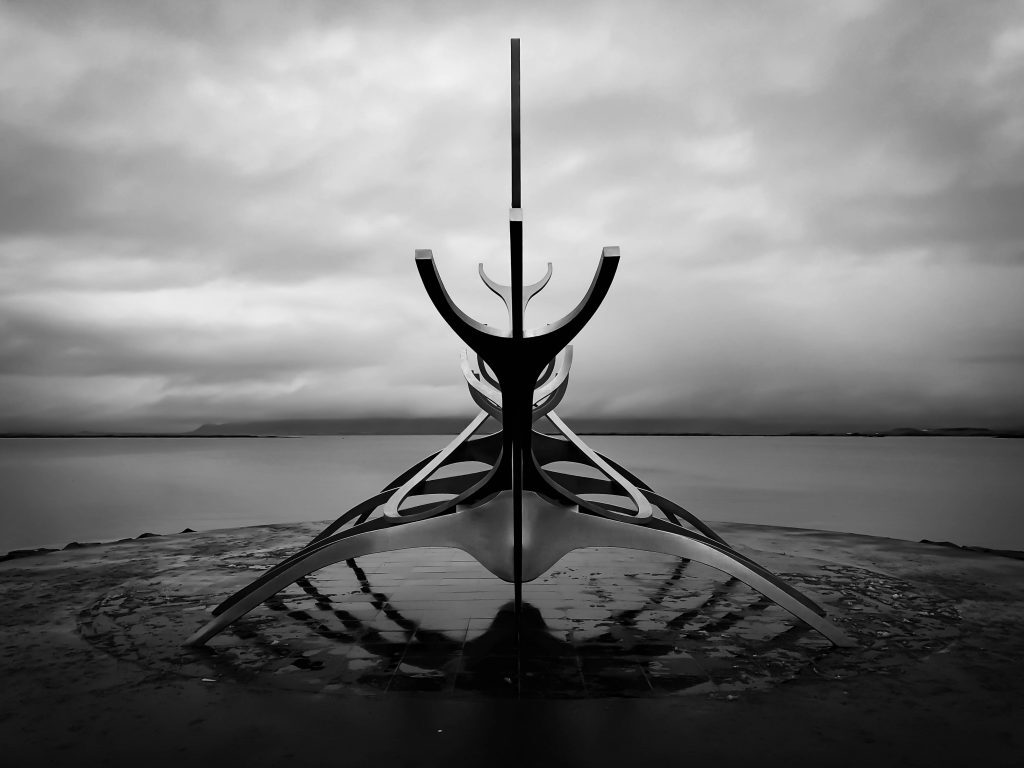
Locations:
{"points": [[208, 211]]}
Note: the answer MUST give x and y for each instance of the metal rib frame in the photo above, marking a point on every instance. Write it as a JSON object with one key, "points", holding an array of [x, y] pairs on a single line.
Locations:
{"points": [[550, 532], [517, 517], [557, 521]]}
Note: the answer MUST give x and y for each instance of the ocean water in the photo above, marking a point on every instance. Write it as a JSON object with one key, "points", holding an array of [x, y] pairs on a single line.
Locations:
{"points": [[966, 490]]}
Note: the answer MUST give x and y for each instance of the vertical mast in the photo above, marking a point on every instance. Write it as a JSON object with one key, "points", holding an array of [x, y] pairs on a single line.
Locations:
{"points": [[518, 435], [516, 214]]}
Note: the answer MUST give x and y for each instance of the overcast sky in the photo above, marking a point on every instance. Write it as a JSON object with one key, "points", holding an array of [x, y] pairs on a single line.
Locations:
{"points": [[208, 211]]}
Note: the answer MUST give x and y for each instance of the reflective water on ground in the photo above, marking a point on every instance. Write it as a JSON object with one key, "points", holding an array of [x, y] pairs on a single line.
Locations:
{"points": [[603, 622]]}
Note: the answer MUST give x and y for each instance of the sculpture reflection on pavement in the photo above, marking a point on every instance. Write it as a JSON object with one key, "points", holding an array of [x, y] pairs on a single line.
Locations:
{"points": [[519, 516]]}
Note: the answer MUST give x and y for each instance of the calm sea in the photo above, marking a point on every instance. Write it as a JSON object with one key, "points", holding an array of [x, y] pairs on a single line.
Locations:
{"points": [[966, 490]]}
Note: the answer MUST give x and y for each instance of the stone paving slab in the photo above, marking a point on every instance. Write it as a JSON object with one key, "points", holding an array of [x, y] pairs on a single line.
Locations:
{"points": [[92, 663]]}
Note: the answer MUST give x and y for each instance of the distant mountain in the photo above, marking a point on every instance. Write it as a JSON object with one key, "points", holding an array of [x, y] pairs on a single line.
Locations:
{"points": [[450, 425], [366, 426], [586, 426], [921, 432], [435, 426]]}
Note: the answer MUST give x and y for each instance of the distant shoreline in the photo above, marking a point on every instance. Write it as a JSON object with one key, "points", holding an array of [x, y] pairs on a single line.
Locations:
{"points": [[130, 435], [900, 432], [18, 554]]}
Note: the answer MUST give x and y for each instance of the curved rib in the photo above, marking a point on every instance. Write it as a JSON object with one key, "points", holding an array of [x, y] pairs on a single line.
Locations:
{"points": [[454, 484], [483, 448], [671, 509], [485, 373], [552, 449], [546, 371], [416, 515], [257, 584], [476, 491], [793, 592], [543, 408], [504, 292], [360, 510], [469, 330], [435, 532], [553, 382], [488, 397], [643, 506], [394, 484], [485, 404], [561, 332], [543, 482], [475, 372], [367, 506], [625, 472], [584, 483], [395, 501], [471, 364], [475, 379], [529, 291]]}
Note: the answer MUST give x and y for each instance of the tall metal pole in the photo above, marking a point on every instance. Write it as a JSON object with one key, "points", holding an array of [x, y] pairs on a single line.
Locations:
{"points": [[516, 214], [515, 227]]}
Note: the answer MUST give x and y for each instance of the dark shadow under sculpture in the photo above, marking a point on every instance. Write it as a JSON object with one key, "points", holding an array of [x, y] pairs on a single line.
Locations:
{"points": [[518, 516]]}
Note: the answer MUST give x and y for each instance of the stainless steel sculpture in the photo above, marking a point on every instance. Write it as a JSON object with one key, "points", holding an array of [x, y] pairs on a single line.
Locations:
{"points": [[518, 517]]}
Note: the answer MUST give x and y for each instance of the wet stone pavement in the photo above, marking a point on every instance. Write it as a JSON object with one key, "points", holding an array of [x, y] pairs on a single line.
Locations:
{"points": [[601, 623]]}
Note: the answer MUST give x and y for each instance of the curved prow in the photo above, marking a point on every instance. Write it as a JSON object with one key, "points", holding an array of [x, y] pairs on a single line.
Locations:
{"points": [[530, 291], [504, 292], [560, 333], [474, 333]]}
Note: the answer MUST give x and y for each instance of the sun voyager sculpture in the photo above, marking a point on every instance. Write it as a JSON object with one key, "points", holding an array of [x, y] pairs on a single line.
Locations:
{"points": [[518, 517]]}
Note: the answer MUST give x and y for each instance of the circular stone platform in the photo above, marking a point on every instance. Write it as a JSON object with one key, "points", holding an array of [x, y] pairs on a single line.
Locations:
{"points": [[91, 649], [602, 622]]}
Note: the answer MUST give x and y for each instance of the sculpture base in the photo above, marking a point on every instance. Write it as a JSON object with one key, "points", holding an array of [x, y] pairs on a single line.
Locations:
{"points": [[601, 622], [94, 674]]}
